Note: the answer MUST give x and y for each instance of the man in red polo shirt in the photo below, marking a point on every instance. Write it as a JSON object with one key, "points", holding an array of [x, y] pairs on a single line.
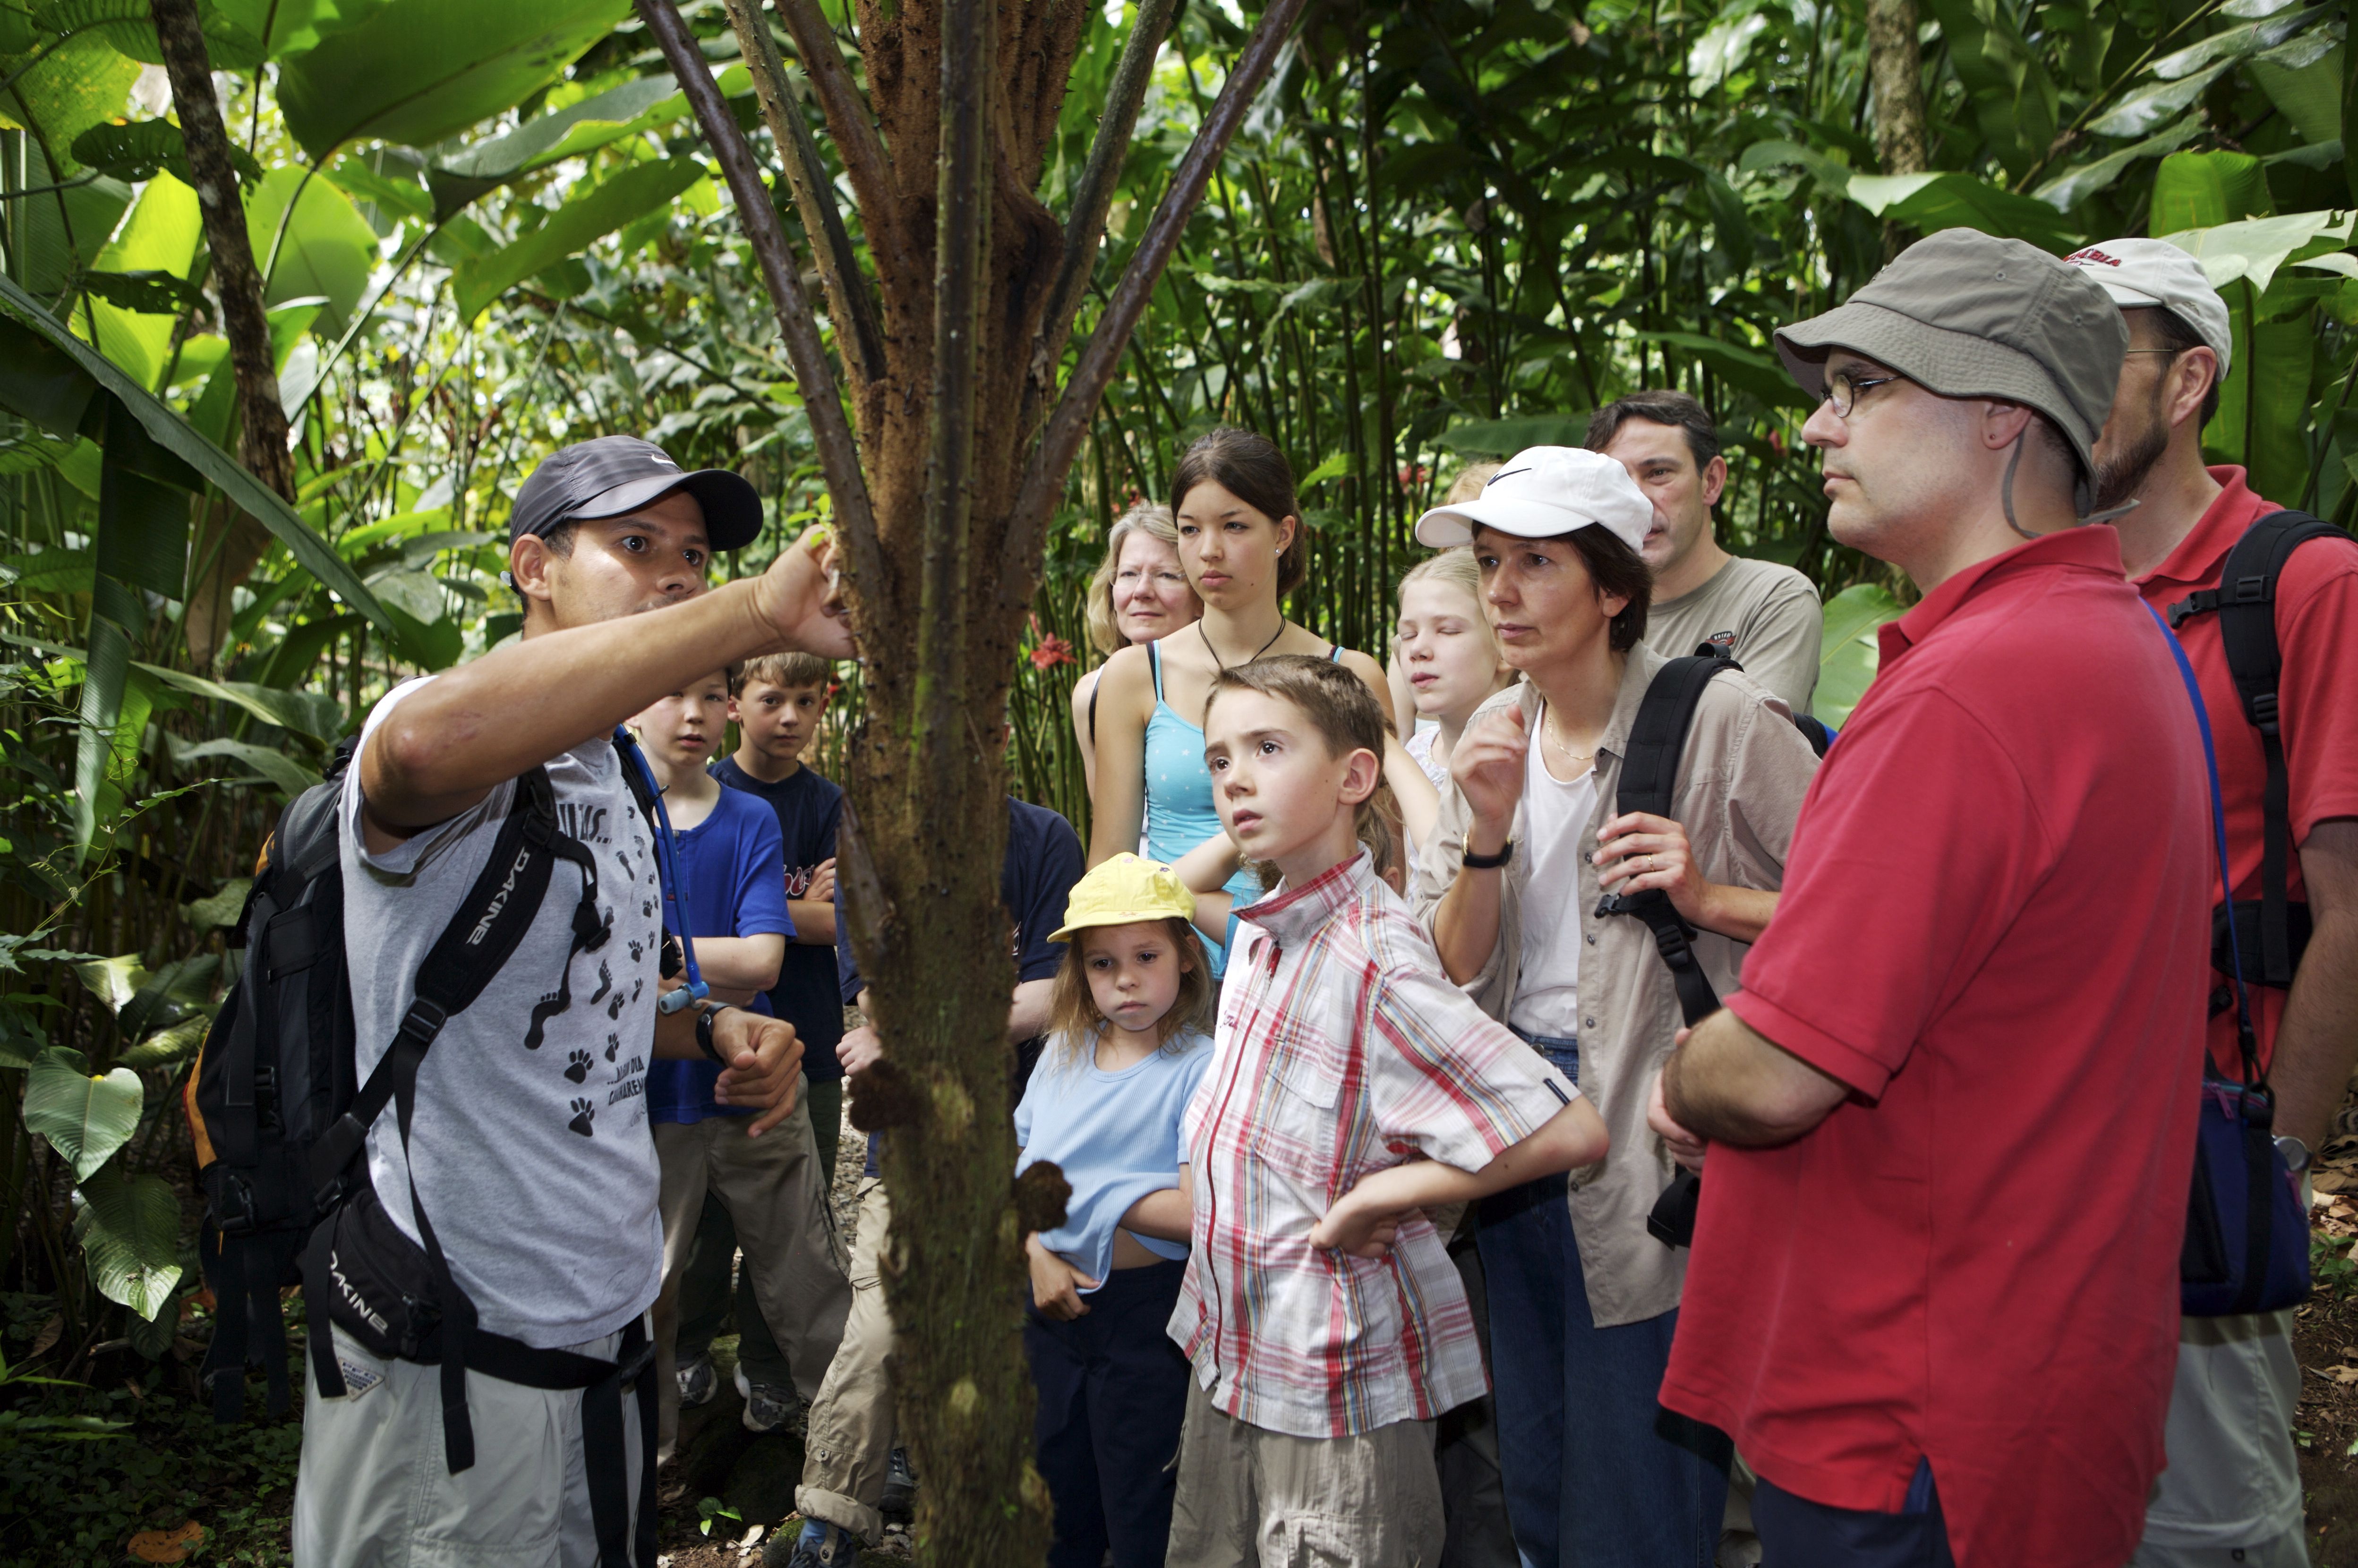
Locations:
{"points": [[2233, 1483], [1934, 1290]]}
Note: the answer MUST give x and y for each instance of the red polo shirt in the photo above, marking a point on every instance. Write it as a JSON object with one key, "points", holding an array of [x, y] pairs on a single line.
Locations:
{"points": [[2317, 628], [1992, 930]]}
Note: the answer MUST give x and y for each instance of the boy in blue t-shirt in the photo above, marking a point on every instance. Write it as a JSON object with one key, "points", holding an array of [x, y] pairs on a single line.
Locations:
{"points": [[732, 896]]}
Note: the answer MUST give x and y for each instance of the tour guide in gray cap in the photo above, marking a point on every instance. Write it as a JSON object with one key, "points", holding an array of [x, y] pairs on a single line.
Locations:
{"points": [[1934, 1295]]}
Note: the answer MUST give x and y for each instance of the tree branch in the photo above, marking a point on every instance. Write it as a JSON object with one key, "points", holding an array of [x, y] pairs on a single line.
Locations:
{"points": [[1068, 426], [839, 455], [1093, 195], [847, 298], [261, 422], [865, 160]]}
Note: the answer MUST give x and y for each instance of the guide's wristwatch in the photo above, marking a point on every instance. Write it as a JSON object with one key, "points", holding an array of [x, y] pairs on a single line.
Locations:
{"points": [[2295, 1153], [704, 1017]]}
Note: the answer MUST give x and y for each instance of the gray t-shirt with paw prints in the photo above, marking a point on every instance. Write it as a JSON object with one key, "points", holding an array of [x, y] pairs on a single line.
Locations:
{"points": [[535, 1164]]}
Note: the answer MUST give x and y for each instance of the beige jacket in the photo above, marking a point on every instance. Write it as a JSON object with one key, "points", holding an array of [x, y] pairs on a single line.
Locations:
{"points": [[1741, 782]]}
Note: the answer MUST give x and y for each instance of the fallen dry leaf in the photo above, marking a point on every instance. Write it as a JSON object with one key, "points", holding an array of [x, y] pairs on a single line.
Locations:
{"points": [[166, 1545]]}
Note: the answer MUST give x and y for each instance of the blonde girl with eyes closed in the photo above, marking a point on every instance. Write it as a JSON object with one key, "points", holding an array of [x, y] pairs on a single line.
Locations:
{"points": [[1243, 546], [1139, 595]]}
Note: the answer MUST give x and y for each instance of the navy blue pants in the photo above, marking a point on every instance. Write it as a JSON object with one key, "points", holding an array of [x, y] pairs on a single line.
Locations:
{"points": [[1798, 1533], [1112, 1392]]}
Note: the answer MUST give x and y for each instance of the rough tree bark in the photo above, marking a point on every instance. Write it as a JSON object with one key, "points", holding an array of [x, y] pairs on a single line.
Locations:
{"points": [[228, 542], [943, 484], [1896, 63]]}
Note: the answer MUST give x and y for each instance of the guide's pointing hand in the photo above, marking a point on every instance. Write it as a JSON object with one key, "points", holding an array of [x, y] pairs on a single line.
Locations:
{"points": [[801, 597]]}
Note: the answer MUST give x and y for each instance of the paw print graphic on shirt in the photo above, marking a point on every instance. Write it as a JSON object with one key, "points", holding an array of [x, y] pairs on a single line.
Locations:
{"points": [[638, 952], [614, 1008], [578, 1069], [636, 987], [583, 1113], [646, 908]]}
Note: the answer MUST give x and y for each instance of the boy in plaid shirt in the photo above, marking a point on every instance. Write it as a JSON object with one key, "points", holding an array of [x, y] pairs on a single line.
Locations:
{"points": [[1352, 1087]]}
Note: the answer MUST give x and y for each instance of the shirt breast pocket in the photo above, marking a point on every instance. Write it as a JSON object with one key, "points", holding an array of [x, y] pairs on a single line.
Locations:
{"points": [[1300, 1131]]}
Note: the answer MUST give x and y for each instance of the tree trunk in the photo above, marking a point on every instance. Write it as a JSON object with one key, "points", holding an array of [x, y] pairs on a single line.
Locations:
{"points": [[961, 460], [227, 545], [1895, 60]]}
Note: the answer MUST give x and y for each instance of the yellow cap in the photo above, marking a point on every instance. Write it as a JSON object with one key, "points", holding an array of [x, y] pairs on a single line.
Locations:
{"points": [[1123, 890]]}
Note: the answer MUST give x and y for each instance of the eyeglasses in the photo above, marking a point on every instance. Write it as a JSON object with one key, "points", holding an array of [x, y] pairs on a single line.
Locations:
{"points": [[1843, 390]]}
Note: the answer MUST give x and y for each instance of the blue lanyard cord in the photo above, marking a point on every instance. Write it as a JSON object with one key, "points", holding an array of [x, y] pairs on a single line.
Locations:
{"points": [[668, 870], [2218, 834]]}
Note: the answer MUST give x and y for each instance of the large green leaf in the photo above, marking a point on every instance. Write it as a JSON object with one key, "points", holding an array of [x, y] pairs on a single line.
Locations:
{"points": [[85, 1119], [328, 250], [291, 777], [304, 712], [137, 150], [1932, 202], [79, 83], [419, 70], [1757, 373], [276, 29], [588, 217], [170, 431], [2201, 190], [2073, 186], [160, 236], [1849, 650], [583, 127], [130, 1231], [2256, 247], [1505, 438]]}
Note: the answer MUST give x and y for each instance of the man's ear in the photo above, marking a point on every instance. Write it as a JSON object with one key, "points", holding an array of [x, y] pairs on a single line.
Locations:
{"points": [[530, 561], [2192, 375], [2004, 423], [1714, 480]]}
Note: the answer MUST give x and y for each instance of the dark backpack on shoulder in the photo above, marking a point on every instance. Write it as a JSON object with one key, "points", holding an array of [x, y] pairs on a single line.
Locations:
{"points": [[2272, 930], [1649, 780], [280, 1125]]}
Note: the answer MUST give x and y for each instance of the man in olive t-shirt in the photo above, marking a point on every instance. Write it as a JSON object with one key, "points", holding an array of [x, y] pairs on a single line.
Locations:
{"points": [[1767, 615]]}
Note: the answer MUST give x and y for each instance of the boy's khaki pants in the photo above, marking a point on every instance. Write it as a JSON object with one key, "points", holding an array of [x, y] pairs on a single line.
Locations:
{"points": [[778, 1200], [848, 1448], [1249, 1496]]}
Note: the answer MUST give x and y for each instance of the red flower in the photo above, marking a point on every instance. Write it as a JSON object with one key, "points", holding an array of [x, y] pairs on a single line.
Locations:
{"points": [[1052, 651], [1777, 442], [1413, 474]]}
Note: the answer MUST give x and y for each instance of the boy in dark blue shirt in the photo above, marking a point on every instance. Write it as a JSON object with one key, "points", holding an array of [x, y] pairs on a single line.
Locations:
{"points": [[850, 1444], [731, 896]]}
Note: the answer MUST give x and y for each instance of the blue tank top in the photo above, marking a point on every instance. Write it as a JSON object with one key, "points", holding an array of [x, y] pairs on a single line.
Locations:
{"points": [[1180, 814]]}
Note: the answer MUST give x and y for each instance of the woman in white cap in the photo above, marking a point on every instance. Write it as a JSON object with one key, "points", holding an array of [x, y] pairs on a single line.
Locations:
{"points": [[1583, 1300], [1242, 544]]}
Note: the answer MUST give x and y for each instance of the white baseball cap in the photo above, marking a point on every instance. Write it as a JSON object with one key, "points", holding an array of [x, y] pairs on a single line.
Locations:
{"points": [[1543, 492], [2141, 273]]}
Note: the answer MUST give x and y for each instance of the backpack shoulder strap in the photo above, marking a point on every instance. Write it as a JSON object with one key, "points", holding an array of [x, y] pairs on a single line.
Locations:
{"points": [[2244, 601], [1650, 778]]}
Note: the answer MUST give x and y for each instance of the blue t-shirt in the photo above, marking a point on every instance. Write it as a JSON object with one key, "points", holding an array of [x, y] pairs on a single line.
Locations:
{"points": [[1044, 859], [1114, 1135], [731, 865], [809, 809]]}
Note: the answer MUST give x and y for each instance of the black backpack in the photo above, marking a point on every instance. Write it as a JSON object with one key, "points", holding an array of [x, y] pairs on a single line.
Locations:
{"points": [[280, 1128], [1650, 779], [2273, 930]]}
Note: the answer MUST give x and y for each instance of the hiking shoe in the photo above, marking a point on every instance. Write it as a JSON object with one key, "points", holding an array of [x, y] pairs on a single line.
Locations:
{"points": [[900, 1498], [697, 1382], [819, 1546], [769, 1408]]}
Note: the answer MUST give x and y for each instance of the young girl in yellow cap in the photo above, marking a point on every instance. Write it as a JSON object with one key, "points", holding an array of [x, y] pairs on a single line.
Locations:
{"points": [[1128, 1046]]}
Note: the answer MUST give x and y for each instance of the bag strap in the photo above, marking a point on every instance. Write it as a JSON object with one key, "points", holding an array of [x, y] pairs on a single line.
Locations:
{"points": [[1650, 777], [2244, 601], [2247, 1038]]}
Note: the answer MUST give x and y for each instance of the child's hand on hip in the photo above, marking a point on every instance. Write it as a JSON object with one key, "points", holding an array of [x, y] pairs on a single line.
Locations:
{"points": [[1357, 1229], [1056, 1286]]}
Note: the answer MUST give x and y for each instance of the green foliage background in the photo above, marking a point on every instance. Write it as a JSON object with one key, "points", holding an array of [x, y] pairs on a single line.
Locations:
{"points": [[1449, 229]]}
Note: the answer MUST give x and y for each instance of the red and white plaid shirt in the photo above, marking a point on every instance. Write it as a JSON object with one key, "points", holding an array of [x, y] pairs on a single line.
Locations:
{"points": [[1342, 1050]]}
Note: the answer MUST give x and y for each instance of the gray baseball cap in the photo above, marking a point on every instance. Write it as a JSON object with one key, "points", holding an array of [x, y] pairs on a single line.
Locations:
{"points": [[1965, 314], [614, 475]]}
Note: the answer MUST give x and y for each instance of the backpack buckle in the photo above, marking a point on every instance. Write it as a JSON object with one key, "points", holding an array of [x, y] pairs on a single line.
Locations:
{"points": [[2247, 591], [2263, 707], [422, 1023]]}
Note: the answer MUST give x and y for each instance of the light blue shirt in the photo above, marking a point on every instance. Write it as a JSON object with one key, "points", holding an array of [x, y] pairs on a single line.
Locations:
{"points": [[1114, 1135]]}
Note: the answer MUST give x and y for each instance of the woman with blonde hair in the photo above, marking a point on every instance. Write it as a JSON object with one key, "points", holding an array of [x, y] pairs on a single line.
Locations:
{"points": [[1138, 594]]}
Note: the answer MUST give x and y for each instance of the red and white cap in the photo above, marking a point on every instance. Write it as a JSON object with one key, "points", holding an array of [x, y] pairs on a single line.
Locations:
{"points": [[1544, 492], [2143, 273]]}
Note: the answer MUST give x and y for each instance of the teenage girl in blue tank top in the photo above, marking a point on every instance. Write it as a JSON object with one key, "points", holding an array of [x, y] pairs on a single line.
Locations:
{"points": [[1241, 543]]}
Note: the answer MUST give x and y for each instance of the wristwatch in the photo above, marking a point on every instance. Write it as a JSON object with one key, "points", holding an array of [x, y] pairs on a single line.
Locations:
{"points": [[2295, 1153], [1473, 863], [704, 1017]]}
